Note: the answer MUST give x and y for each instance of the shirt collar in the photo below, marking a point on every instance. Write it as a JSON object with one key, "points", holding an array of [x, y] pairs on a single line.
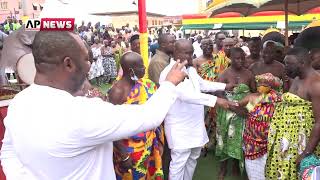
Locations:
{"points": [[164, 55]]}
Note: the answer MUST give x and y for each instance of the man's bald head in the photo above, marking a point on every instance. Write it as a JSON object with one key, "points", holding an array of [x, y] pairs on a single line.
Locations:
{"points": [[182, 43], [183, 50], [228, 43], [132, 61]]}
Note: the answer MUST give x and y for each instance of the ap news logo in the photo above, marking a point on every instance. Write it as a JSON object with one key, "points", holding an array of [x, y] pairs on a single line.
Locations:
{"points": [[50, 24]]}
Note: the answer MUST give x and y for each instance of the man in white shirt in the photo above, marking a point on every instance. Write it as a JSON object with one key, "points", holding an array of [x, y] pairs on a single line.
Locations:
{"points": [[197, 47], [51, 134], [184, 124]]}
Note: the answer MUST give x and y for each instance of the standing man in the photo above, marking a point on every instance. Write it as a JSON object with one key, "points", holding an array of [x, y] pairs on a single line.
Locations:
{"points": [[162, 57], [295, 128], [142, 149], [158, 62], [240, 82], [219, 37], [270, 65], [75, 140], [134, 46], [184, 123], [255, 46], [197, 47], [205, 64], [209, 67]]}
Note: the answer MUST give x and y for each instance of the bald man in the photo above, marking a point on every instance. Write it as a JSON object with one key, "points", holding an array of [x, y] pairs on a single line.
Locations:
{"points": [[132, 89], [69, 137], [184, 123]]}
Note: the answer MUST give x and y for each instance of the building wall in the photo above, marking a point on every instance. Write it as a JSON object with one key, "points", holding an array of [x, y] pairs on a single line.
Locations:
{"points": [[13, 8], [202, 5], [132, 19]]}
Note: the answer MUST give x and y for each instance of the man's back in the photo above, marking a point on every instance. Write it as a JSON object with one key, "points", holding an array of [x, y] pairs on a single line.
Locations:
{"points": [[45, 131]]}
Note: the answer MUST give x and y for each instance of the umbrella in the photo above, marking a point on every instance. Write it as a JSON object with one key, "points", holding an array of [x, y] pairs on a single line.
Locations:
{"points": [[314, 24], [297, 7], [243, 7]]}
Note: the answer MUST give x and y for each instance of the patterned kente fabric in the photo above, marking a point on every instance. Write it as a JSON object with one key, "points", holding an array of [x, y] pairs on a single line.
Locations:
{"points": [[255, 136], [143, 147], [210, 70]]}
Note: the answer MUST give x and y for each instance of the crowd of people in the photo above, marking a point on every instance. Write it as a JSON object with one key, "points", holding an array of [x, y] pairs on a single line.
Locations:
{"points": [[266, 133], [252, 100]]}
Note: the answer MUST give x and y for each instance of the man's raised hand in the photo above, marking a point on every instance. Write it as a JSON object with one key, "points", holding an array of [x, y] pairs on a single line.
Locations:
{"points": [[176, 75]]}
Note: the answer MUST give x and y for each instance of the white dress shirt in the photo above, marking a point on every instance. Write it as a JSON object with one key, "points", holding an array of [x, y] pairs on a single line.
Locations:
{"points": [[197, 49], [52, 135], [184, 123]]}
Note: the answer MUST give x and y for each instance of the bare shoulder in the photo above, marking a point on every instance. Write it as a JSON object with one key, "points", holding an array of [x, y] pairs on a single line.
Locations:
{"points": [[116, 94], [278, 64], [314, 84], [254, 66], [248, 72]]}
